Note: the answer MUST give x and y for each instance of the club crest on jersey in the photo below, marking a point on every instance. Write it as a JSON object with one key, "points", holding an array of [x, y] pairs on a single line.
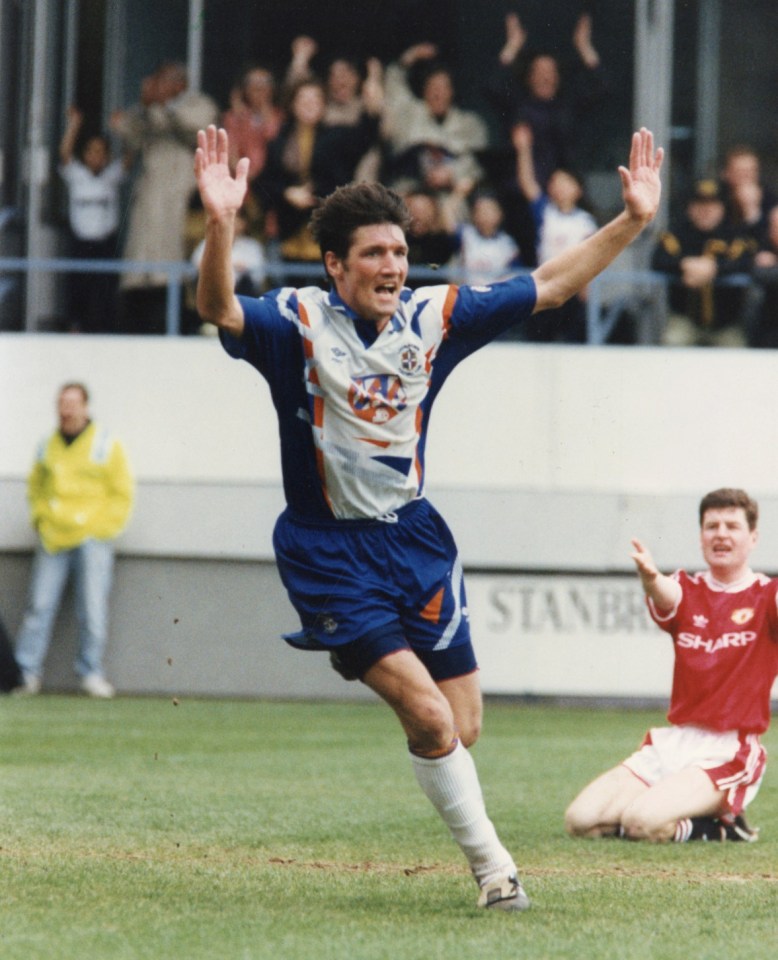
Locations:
{"points": [[743, 615], [377, 398], [410, 358]]}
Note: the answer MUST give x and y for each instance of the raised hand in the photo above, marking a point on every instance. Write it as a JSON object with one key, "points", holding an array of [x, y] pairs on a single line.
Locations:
{"points": [[641, 186], [643, 560], [515, 38], [221, 192], [582, 41]]}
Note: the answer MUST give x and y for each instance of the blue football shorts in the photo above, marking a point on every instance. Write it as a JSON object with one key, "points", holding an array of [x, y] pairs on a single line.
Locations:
{"points": [[367, 588]]}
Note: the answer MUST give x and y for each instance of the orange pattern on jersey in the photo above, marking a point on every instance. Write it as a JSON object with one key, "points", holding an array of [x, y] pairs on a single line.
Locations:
{"points": [[448, 307]]}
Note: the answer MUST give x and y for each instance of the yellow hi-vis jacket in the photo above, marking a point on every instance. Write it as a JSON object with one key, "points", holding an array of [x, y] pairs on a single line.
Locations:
{"points": [[80, 491]]}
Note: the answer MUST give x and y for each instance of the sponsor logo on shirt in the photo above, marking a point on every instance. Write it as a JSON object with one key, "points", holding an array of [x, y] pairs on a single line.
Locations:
{"points": [[693, 641], [377, 398]]}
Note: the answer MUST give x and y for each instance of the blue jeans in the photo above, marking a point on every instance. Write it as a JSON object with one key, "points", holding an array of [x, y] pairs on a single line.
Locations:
{"points": [[91, 564]]}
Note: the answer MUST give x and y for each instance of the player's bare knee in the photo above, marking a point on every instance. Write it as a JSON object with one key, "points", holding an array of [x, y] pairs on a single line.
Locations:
{"points": [[576, 824], [638, 824], [432, 725]]}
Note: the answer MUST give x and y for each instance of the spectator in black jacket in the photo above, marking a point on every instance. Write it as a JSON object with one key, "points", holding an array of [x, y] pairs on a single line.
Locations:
{"points": [[699, 254]]}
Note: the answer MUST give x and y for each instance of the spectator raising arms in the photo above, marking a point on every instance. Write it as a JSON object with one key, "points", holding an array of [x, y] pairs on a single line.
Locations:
{"points": [[93, 182], [530, 90], [432, 142], [350, 96], [253, 119], [560, 224]]}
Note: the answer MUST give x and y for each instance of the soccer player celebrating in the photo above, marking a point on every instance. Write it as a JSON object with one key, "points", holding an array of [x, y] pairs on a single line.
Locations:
{"points": [[368, 563], [693, 780]]}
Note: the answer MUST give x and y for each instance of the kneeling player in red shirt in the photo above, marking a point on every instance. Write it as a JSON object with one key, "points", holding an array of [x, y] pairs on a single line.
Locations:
{"points": [[693, 779]]}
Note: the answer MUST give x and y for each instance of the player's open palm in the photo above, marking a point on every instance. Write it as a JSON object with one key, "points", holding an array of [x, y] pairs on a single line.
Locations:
{"points": [[221, 192], [641, 186], [643, 559]]}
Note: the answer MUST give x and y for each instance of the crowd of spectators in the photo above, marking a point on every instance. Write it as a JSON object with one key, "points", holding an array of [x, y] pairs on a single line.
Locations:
{"points": [[485, 202]]}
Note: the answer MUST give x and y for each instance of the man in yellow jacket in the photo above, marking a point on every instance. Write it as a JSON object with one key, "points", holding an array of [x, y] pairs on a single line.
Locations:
{"points": [[80, 492]]}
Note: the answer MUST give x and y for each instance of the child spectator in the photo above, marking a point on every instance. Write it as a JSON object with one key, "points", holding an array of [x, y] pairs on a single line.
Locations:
{"points": [[248, 258], [560, 223], [93, 182], [486, 252]]}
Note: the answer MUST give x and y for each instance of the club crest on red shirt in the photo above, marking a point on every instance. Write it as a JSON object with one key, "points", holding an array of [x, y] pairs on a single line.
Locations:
{"points": [[743, 615]]}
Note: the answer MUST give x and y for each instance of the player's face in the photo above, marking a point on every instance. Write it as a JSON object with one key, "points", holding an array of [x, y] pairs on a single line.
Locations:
{"points": [[72, 411], [372, 275], [726, 542]]}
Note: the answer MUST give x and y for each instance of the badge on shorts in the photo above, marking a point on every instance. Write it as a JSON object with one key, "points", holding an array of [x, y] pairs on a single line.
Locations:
{"points": [[328, 623]]}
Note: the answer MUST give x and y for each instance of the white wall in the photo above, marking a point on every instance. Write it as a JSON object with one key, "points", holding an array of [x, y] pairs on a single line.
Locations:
{"points": [[540, 456]]}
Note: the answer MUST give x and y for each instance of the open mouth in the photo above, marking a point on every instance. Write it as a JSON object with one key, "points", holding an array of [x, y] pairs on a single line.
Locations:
{"points": [[386, 289]]}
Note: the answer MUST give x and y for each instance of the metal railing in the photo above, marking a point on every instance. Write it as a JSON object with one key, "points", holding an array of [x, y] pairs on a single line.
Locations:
{"points": [[609, 295]]}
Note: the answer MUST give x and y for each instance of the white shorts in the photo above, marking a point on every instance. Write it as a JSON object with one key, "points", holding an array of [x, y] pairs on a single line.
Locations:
{"points": [[735, 762]]}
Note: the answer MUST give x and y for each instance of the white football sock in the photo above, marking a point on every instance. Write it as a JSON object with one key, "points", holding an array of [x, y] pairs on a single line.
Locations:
{"points": [[683, 830], [451, 784]]}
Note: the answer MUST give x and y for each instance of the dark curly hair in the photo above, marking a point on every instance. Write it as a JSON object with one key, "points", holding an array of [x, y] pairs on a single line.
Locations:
{"points": [[355, 205], [726, 497]]}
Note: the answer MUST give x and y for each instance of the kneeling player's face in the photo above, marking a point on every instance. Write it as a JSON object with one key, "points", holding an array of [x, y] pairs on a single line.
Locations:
{"points": [[372, 275], [726, 539]]}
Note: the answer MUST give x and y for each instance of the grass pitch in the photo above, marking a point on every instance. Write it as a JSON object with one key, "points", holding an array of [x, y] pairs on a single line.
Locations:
{"points": [[138, 828]]}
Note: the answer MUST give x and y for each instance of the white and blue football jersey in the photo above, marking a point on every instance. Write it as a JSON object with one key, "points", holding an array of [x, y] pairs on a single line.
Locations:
{"points": [[353, 404]]}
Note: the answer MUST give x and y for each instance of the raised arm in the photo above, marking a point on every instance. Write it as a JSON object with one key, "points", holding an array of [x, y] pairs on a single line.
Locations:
{"points": [[222, 195], [661, 589], [559, 278], [68, 143], [525, 165]]}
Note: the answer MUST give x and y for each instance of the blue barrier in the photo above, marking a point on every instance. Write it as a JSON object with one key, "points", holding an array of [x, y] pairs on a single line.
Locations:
{"points": [[602, 311]]}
